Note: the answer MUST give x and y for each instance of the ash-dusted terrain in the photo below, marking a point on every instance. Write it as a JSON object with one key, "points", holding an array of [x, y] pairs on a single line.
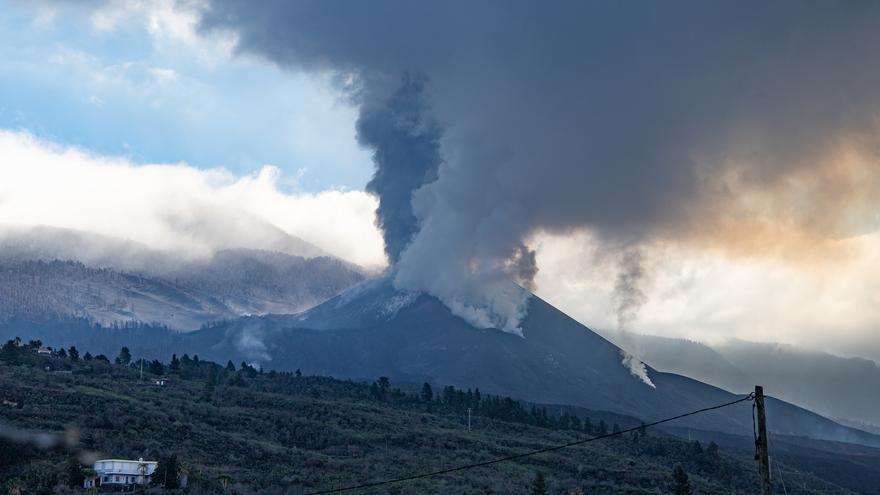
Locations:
{"points": [[110, 282]]}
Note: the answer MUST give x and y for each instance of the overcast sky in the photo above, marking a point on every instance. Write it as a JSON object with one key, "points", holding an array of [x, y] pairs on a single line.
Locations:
{"points": [[129, 110]]}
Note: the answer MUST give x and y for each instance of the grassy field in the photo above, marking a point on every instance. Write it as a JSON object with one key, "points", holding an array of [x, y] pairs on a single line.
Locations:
{"points": [[287, 434]]}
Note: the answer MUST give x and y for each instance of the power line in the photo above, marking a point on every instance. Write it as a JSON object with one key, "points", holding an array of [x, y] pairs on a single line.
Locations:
{"points": [[464, 467]]}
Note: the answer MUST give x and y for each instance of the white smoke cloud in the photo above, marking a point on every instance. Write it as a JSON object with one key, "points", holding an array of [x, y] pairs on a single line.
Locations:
{"points": [[251, 342], [179, 207], [735, 145], [629, 296], [478, 285], [710, 296]]}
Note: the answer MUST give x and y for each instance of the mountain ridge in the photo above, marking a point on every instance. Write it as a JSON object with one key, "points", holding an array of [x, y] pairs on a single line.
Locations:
{"points": [[229, 284], [557, 360], [832, 385], [375, 330]]}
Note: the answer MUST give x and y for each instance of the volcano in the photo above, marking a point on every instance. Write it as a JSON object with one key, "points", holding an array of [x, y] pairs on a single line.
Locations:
{"points": [[374, 330]]}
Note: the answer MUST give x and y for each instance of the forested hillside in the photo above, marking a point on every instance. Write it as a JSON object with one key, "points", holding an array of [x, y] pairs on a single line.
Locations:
{"points": [[227, 285], [286, 433]]}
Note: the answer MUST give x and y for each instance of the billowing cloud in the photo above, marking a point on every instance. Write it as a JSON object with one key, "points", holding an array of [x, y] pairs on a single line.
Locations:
{"points": [[731, 145], [749, 128], [178, 207], [707, 296]]}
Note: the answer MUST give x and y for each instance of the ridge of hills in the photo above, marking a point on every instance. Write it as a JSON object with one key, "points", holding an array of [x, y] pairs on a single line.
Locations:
{"points": [[281, 433], [118, 283], [833, 386], [229, 284], [373, 330]]}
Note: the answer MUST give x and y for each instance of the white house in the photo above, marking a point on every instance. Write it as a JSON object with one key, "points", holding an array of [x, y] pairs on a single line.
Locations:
{"points": [[121, 472]]}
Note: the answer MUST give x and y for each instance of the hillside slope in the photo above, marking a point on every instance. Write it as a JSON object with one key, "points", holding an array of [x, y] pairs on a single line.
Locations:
{"points": [[274, 433], [374, 330], [834, 386], [227, 285]]}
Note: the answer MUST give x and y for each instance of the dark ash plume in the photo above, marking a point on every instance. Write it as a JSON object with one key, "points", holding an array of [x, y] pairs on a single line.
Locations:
{"points": [[406, 150], [628, 294], [682, 121]]}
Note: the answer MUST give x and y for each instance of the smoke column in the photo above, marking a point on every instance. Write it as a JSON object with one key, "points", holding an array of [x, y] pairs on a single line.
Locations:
{"points": [[629, 298], [707, 123], [406, 151]]}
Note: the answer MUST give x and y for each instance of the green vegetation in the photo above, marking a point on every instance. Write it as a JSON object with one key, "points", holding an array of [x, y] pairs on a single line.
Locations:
{"points": [[539, 486], [682, 484], [241, 430]]}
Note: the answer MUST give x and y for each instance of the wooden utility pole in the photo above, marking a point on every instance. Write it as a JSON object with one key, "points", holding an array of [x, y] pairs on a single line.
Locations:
{"points": [[763, 456]]}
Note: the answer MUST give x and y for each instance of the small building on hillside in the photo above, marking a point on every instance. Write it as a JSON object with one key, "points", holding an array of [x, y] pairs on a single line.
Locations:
{"points": [[44, 350], [121, 472], [161, 382]]}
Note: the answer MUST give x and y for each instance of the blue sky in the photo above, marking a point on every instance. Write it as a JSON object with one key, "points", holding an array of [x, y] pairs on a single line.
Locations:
{"points": [[141, 85]]}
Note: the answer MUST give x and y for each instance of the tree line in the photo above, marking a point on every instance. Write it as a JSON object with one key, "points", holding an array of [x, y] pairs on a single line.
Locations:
{"points": [[448, 400]]}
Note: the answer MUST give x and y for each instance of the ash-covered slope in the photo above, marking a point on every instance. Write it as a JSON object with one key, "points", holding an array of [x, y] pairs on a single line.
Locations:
{"points": [[180, 294], [69, 289], [373, 330]]}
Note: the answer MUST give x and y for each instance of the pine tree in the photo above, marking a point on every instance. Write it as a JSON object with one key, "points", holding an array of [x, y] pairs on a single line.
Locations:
{"points": [[186, 366], [681, 485], [210, 383], [384, 383], [156, 367], [166, 473], [564, 421], [124, 357], [427, 392], [9, 353], [174, 366], [73, 353], [74, 472], [539, 485], [712, 449]]}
